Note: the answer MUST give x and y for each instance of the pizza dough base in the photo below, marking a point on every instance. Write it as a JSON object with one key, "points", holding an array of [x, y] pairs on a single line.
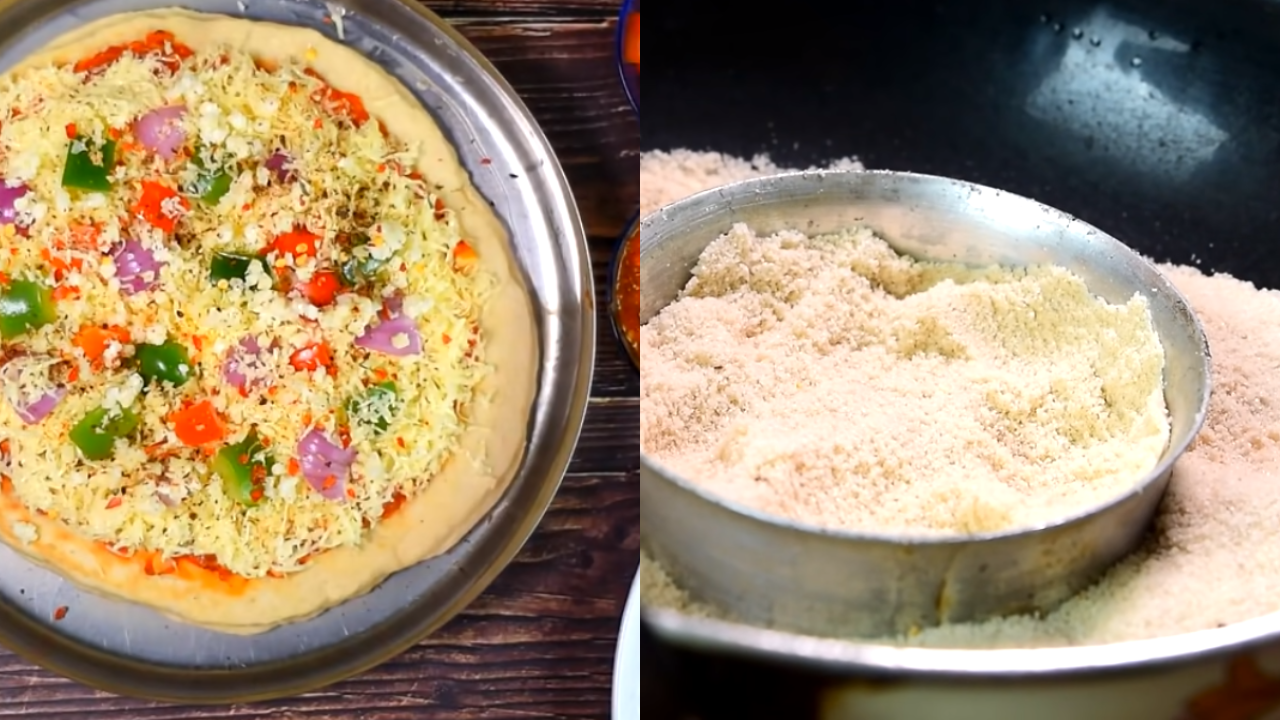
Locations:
{"points": [[459, 496]]}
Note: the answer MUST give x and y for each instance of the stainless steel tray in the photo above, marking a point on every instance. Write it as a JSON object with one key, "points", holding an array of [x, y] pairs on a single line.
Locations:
{"points": [[128, 649]]}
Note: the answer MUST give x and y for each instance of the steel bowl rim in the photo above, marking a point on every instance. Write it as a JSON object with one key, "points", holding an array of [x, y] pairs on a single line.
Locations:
{"points": [[853, 656], [747, 188], [87, 664], [627, 75], [615, 266]]}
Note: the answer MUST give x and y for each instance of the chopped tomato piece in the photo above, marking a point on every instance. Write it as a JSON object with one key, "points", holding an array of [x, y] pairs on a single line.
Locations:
{"points": [[159, 565], [310, 357], [298, 243], [209, 564], [80, 236], [198, 424], [61, 267], [473, 340], [94, 341], [159, 42], [322, 289], [339, 102], [464, 256], [160, 205], [392, 505], [100, 60], [114, 502]]}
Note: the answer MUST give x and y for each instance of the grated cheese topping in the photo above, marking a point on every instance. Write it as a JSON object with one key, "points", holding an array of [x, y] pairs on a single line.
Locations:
{"points": [[344, 179]]}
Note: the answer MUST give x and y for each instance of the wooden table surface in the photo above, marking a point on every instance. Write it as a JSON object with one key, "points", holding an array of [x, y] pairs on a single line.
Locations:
{"points": [[539, 643]]}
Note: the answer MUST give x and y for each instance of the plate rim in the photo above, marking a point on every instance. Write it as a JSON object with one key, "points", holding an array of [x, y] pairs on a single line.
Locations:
{"points": [[626, 666]]}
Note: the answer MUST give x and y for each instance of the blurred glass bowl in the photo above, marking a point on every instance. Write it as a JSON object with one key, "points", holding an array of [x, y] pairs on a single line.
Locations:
{"points": [[624, 291], [629, 50]]}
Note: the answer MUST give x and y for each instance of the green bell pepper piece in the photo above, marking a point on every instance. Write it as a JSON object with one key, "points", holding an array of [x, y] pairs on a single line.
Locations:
{"points": [[357, 269], [376, 407], [212, 182], [234, 266], [82, 172], [242, 468], [97, 432], [213, 187], [166, 362], [25, 305], [356, 272]]}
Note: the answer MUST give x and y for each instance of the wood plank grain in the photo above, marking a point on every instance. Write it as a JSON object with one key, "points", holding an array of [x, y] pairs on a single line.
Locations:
{"points": [[457, 10], [599, 450], [566, 74], [539, 643]]}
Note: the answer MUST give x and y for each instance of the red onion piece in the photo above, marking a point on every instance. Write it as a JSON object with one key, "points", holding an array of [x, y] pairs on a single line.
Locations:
{"points": [[136, 267], [30, 407], [40, 409], [9, 194], [169, 494], [321, 460], [382, 337], [161, 131], [282, 165], [165, 495], [245, 357]]}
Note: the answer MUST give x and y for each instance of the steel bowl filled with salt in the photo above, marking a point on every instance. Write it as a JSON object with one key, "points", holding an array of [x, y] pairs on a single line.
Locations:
{"points": [[877, 402]]}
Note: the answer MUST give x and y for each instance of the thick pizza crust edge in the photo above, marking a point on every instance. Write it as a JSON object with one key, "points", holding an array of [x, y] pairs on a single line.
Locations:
{"points": [[461, 494]]}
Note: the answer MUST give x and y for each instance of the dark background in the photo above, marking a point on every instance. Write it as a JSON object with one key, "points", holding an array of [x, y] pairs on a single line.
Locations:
{"points": [[1156, 120]]}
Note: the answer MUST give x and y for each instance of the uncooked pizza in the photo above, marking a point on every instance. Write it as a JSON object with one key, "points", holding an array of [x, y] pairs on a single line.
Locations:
{"points": [[262, 343]]}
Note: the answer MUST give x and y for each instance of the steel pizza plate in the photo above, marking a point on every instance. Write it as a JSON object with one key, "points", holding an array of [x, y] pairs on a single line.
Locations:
{"points": [[128, 649]]}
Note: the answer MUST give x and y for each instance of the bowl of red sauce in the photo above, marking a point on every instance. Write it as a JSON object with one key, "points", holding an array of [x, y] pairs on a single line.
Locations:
{"points": [[624, 284], [629, 50]]}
